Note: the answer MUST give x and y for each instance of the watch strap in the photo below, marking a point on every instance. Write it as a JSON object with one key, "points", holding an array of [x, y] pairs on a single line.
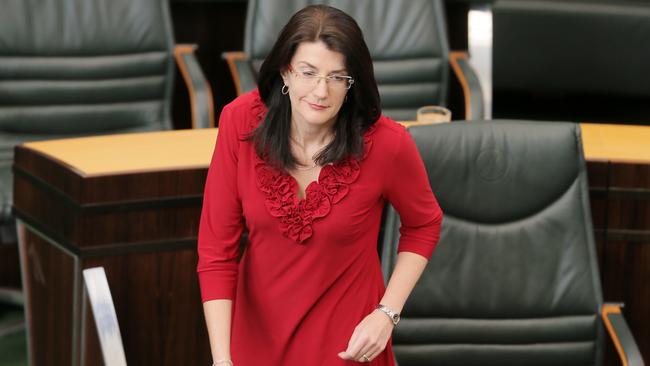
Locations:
{"points": [[392, 315]]}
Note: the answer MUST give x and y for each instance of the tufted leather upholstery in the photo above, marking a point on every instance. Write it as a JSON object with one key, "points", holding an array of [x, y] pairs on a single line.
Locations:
{"points": [[408, 44], [78, 67], [514, 279]]}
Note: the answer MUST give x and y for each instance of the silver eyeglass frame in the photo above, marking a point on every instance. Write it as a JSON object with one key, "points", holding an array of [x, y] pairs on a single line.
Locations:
{"points": [[327, 78]]}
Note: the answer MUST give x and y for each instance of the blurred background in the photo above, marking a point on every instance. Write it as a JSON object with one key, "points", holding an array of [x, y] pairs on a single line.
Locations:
{"points": [[582, 61]]}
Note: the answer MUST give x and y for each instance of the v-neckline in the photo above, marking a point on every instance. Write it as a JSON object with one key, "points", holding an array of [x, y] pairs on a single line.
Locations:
{"points": [[296, 214], [297, 193]]}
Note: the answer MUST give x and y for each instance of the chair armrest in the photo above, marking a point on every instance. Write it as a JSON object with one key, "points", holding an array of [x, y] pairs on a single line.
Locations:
{"points": [[11, 296], [240, 69], [472, 92], [621, 335], [197, 85], [98, 293]]}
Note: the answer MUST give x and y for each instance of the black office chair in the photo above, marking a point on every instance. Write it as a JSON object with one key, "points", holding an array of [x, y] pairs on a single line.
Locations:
{"points": [[515, 278], [407, 41], [76, 67], [587, 59]]}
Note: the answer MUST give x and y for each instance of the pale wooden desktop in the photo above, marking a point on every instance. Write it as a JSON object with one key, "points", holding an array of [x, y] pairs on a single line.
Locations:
{"points": [[136, 152], [165, 150], [616, 143]]}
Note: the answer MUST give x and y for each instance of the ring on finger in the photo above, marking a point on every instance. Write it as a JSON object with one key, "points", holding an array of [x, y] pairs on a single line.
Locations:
{"points": [[365, 358]]}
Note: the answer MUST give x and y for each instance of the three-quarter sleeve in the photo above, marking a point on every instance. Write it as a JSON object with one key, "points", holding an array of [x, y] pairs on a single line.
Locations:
{"points": [[221, 222], [407, 188]]}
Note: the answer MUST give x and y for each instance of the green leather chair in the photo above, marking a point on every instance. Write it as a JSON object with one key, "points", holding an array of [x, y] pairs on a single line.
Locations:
{"points": [[588, 59], [407, 40], [514, 279], [76, 67]]}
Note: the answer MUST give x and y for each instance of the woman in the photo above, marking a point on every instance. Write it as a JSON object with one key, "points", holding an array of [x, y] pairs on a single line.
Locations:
{"points": [[306, 164]]}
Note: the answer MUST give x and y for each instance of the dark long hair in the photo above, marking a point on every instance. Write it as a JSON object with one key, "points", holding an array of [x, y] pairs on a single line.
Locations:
{"points": [[340, 33]]}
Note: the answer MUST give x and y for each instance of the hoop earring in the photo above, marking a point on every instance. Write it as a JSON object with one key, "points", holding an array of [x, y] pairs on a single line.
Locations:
{"points": [[285, 89]]}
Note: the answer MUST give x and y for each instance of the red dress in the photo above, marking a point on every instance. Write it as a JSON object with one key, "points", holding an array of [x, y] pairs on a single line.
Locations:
{"points": [[310, 272]]}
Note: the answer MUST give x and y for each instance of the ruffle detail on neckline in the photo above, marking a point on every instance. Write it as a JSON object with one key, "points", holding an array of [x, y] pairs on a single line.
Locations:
{"points": [[296, 215]]}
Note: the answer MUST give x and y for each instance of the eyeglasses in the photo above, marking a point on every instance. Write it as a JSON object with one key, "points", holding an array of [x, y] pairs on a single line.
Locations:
{"points": [[310, 78]]}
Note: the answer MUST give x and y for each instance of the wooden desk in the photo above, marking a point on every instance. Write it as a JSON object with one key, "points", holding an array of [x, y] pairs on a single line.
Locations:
{"points": [[129, 203]]}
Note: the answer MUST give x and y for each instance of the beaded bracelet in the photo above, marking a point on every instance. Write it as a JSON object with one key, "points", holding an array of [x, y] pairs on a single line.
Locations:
{"points": [[223, 360]]}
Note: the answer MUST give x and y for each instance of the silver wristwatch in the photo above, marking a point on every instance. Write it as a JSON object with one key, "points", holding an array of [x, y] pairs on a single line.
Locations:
{"points": [[394, 317]]}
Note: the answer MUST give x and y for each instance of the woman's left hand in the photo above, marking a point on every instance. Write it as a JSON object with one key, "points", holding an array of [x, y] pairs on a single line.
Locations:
{"points": [[369, 337]]}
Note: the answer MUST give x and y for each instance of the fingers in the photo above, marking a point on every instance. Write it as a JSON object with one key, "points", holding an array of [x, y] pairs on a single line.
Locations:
{"points": [[354, 347], [362, 344], [371, 351], [366, 349], [368, 339]]}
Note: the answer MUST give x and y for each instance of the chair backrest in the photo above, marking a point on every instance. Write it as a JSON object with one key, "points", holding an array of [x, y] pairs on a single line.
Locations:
{"points": [[108, 329], [407, 40], [514, 279], [573, 54], [78, 67], [572, 46]]}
